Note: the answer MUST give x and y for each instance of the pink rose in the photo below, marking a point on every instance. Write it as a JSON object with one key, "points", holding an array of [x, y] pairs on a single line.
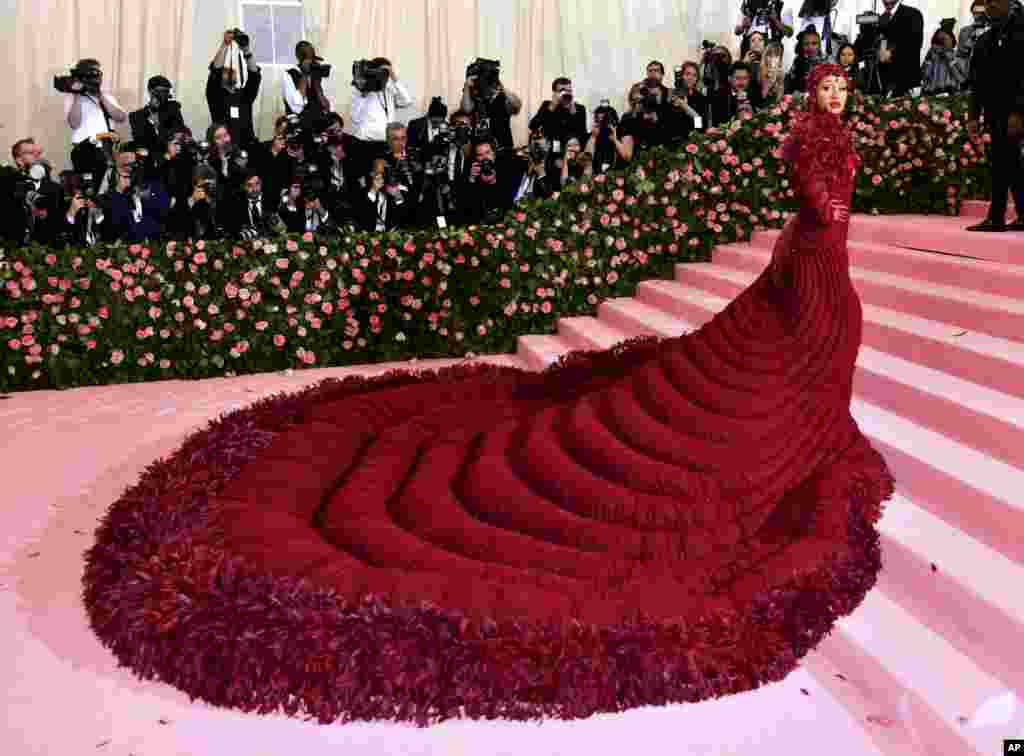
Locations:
{"points": [[279, 340], [117, 357]]}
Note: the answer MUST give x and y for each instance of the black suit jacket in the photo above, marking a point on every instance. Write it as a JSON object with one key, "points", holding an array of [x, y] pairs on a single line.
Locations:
{"points": [[151, 137], [561, 124], [905, 35], [997, 81], [418, 130], [220, 102], [15, 217]]}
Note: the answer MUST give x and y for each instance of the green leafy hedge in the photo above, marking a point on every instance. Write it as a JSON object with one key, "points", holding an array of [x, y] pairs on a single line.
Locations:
{"points": [[133, 313]]}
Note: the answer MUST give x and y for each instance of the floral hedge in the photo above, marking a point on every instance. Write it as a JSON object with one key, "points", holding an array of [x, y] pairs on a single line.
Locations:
{"points": [[119, 314]]}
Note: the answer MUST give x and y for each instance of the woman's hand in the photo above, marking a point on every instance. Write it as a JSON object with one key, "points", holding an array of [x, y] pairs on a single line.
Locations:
{"points": [[840, 212]]}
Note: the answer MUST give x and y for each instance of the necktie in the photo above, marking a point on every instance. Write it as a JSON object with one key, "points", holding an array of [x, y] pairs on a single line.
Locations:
{"points": [[254, 211]]}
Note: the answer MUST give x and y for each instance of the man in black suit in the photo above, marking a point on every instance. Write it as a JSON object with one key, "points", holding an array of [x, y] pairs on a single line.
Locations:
{"points": [[33, 202], [423, 130], [899, 59], [250, 214], [229, 97], [997, 94], [153, 124], [561, 117]]}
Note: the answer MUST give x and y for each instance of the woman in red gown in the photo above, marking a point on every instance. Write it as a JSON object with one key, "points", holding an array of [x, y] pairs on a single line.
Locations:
{"points": [[667, 521]]}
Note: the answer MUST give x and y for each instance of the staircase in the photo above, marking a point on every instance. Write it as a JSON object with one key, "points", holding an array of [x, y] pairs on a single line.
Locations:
{"points": [[926, 665]]}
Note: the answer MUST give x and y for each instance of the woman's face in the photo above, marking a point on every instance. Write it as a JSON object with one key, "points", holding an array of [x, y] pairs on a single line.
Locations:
{"points": [[757, 42], [832, 94], [811, 46], [847, 57], [690, 76]]}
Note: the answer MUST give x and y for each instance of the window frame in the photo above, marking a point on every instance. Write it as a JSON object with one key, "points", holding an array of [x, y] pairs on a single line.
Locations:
{"points": [[273, 26]]}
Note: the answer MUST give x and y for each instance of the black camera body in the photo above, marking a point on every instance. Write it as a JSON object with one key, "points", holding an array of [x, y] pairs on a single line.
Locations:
{"points": [[240, 37], [368, 76], [488, 76], [761, 8], [487, 169], [649, 101], [538, 151], [90, 78], [317, 69], [606, 118]]}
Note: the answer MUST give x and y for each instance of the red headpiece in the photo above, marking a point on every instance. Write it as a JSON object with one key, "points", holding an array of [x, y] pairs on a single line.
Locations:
{"points": [[819, 136]]}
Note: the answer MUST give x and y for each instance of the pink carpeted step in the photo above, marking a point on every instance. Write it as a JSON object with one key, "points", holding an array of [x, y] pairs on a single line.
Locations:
{"points": [[540, 351], [633, 317], [979, 209], [1001, 279], [939, 233], [589, 333], [953, 584], [971, 310]]}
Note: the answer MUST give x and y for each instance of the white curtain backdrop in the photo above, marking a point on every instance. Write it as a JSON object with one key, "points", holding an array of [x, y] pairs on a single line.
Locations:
{"points": [[603, 45]]}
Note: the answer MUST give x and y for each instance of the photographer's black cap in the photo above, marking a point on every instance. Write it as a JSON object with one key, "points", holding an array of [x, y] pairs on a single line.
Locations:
{"points": [[156, 82]]}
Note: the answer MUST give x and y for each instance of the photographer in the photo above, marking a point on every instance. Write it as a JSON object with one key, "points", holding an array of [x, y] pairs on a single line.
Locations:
{"points": [[251, 214], [766, 17], [424, 130], [154, 123], [808, 57], [82, 224], [997, 96], [302, 87], [969, 35], [891, 50], [716, 63], [653, 84], [375, 102], [606, 149], [175, 164], [528, 172], [381, 207], [687, 98], [577, 165], [228, 161], [773, 75], [33, 201], [139, 205], [485, 197], [941, 71], [489, 105], [91, 113], [233, 86], [740, 98], [817, 15], [646, 126], [561, 118], [200, 216], [340, 189]]}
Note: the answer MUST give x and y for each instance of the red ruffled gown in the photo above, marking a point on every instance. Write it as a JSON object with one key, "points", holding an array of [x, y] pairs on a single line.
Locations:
{"points": [[706, 502]]}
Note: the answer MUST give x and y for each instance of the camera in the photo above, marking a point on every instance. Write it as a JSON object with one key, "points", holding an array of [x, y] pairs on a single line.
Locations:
{"points": [[368, 76], [538, 150], [240, 37], [437, 165], [606, 118], [90, 77], [482, 131], [317, 69], [487, 169], [488, 76], [649, 101]]}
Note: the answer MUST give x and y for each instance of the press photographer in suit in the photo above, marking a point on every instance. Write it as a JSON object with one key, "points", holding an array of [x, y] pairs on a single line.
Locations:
{"points": [[896, 40], [997, 96], [159, 119], [233, 86]]}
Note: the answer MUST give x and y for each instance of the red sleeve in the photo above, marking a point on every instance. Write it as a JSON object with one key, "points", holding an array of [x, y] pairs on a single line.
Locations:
{"points": [[811, 187]]}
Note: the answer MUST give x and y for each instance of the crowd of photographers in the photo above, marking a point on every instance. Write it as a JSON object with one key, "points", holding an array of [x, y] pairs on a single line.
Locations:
{"points": [[448, 167]]}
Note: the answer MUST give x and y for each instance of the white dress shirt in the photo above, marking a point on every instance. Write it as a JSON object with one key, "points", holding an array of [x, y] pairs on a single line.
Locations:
{"points": [[93, 122], [373, 111], [381, 201]]}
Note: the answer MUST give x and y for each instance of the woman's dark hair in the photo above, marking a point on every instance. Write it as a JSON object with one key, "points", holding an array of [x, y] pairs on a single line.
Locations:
{"points": [[659, 64], [842, 47], [943, 30]]}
